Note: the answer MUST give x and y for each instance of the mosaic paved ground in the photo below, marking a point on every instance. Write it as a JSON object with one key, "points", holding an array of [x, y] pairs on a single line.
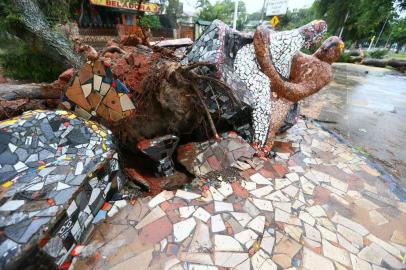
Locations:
{"points": [[317, 205]]}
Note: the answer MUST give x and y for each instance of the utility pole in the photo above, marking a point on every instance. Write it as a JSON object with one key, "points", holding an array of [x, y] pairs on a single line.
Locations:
{"points": [[383, 27], [370, 44], [235, 15], [263, 10], [387, 41], [345, 20]]}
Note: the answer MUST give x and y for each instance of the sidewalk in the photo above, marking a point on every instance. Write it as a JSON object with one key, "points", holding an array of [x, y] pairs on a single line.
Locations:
{"points": [[317, 205]]}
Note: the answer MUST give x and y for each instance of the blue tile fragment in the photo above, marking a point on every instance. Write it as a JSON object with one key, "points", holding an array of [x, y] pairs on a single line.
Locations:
{"points": [[101, 215], [121, 88]]}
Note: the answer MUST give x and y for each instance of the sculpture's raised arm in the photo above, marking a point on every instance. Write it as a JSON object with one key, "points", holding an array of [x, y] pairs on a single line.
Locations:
{"points": [[308, 73]]}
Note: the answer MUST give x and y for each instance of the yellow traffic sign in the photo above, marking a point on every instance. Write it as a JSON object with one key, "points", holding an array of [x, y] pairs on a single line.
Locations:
{"points": [[275, 21]]}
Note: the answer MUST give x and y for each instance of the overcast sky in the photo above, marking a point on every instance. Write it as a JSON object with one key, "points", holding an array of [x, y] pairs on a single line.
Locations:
{"points": [[252, 5]]}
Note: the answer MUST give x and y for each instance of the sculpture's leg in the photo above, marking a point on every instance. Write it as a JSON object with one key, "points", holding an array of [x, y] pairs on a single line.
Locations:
{"points": [[279, 111], [291, 118]]}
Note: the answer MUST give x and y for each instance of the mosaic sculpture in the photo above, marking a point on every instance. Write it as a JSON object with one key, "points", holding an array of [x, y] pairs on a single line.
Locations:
{"points": [[56, 172], [93, 92], [234, 55], [309, 74]]}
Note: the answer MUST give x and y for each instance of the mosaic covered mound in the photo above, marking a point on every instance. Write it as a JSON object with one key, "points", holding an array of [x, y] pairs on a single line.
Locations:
{"points": [[56, 171], [93, 92], [234, 55]]}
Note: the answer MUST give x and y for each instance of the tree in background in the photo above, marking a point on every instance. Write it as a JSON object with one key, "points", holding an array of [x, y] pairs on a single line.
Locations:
{"points": [[150, 21], [224, 11], [398, 33], [256, 16], [173, 9], [358, 19], [296, 19]]}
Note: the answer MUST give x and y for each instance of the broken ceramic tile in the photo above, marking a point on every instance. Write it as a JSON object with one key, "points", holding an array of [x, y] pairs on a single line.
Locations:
{"points": [[336, 254], [183, 229], [226, 243], [312, 260], [229, 259], [217, 224], [186, 211], [152, 216], [161, 197], [257, 224], [259, 179], [186, 195], [202, 214], [264, 205], [242, 218], [223, 207], [261, 261]]}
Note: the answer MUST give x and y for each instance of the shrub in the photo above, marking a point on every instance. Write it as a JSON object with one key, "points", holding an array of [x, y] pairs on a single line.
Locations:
{"points": [[21, 63], [378, 54], [344, 58]]}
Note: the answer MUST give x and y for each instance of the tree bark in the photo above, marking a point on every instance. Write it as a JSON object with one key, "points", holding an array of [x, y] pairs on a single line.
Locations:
{"points": [[12, 92], [16, 99], [36, 25], [398, 64]]}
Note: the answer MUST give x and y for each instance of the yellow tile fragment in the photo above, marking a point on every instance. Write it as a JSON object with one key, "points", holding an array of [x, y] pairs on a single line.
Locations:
{"points": [[41, 167], [7, 184]]}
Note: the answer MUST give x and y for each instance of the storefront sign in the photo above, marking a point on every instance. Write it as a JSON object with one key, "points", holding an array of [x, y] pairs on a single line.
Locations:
{"points": [[132, 5]]}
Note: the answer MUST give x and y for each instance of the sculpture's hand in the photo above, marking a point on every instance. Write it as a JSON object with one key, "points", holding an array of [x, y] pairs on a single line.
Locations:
{"points": [[261, 45]]}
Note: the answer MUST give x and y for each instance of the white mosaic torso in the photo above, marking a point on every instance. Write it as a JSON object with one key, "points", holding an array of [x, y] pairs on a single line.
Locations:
{"points": [[247, 69], [283, 46]]}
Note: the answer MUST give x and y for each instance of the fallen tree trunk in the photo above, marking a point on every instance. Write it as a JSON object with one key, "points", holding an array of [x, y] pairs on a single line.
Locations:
{"points": [[16, 107], [11, 92], [37, 31], [398, 64], [356, 59], [18, 98]]}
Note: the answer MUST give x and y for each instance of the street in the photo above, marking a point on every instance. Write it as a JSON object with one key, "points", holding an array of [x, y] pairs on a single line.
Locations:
{"points": [[367, 106]]}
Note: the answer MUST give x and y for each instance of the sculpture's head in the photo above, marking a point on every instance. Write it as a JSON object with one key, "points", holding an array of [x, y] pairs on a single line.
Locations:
{"points": [[313, 32], [330, 50]]}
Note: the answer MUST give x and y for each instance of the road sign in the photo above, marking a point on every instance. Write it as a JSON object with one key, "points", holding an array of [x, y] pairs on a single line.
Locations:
{"points": [[277, 7], [274, 21]]}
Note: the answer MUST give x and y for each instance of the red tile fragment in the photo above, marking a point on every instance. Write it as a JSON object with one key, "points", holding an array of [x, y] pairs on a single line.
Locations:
{"points": [[165, 205], [156, 231], [267, 173], [209, 208], [279, 169], [50, 202], [173, 216], [239, 190], [214, 163], [247, 173], [237, 206]]}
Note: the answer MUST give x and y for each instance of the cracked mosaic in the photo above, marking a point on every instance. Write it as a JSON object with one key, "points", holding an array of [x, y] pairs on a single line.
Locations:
{"points": [[234, 55], [56, 171], [316, 205], [94, 93]]}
